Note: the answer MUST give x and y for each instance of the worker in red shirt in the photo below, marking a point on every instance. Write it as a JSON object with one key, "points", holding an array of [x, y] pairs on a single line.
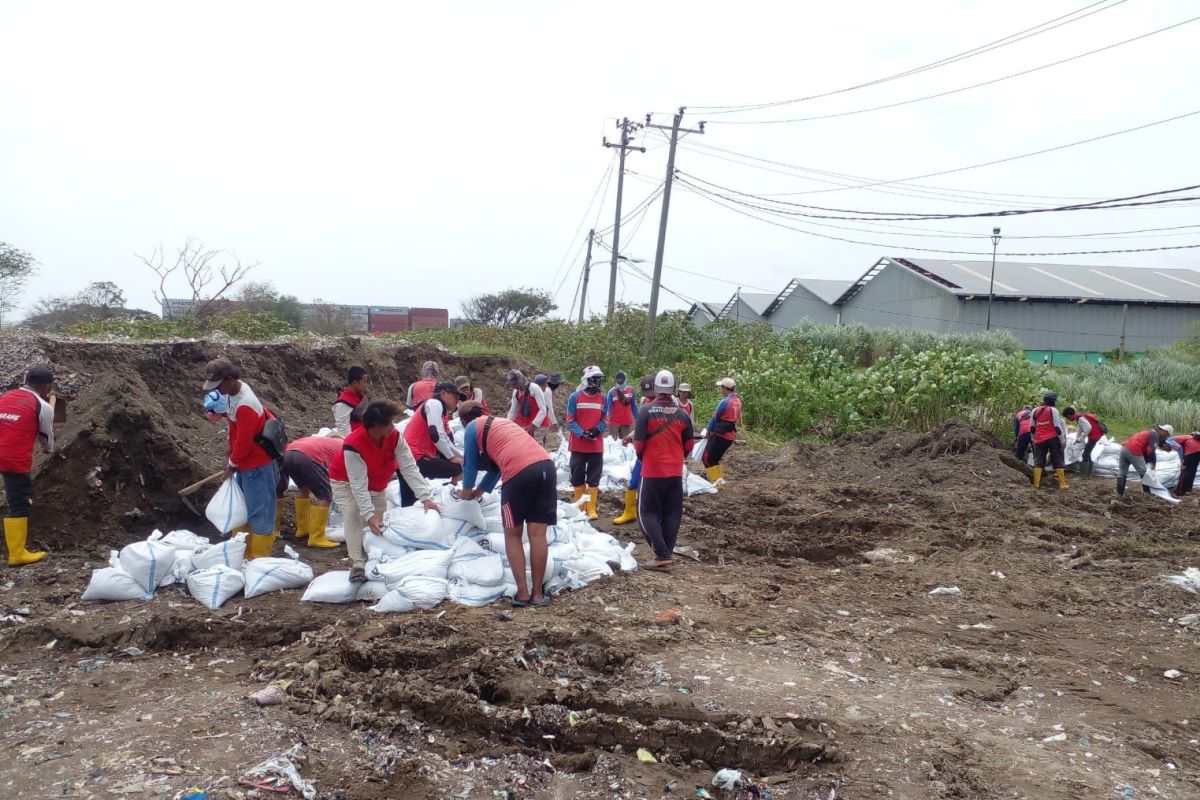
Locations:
{"points": [[662, 437], [348, 408], [1049, 434], [1089, 430], [528, 406], [472, 391], [430, 440], [587, 418], [635, 475], [685, 401], [26, 419], [1188, 447], [621, 406], [422, 390], [528, 497], [1022, 431], [254, 469], [361, 471], [722, 430], [1140, 450], [306, 463]]}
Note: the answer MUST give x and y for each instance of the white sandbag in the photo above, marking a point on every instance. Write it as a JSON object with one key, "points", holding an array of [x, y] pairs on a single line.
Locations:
{"points": [[227, 509], [213, 586], [588, 567], [493, 542], [331, 587], [472, 564], [695, 484], [567, 511], [627, 561], [185, 540], [229, 553], [494, 525], [559, 534], [276, 574], [149, 563], [413, 592], [475, 595], [371, 591], [596, 542], [393, 495], [698, 451], [182, 566], [454, 528], [419, 563], [336, 533], [112, 583], [372, 541], [454, 508], [415, 527]]}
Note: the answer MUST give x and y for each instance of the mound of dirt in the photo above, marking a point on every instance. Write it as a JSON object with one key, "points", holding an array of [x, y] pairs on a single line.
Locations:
{"points": [[136, 432]]}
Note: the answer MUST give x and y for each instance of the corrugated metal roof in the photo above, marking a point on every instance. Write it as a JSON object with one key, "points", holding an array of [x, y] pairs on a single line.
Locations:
{"points": [[757, 301], [827, 290], [1062, 281]]}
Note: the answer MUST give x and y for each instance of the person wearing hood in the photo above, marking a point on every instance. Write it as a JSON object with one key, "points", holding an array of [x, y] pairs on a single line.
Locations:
{"points": [[1049, 440], [587, 418], [528, 405], [422, 390], [622, 406], [1140, 450]]}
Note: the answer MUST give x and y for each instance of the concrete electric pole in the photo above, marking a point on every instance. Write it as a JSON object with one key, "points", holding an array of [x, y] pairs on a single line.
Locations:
{"points": [[623, 147], [587, 273], [662, 222]]}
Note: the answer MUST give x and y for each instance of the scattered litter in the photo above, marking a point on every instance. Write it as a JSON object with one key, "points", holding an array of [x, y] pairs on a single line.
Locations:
{"points": [[645, 755], [688, 552], [1172, 674], [1188, 620], [272, 695], [888, 555], [946, 591], [998, 575], [670, 615], [703, 793], [133, 651], [1188, 581], [1058, 737], [728, 779], [278, 773], [195, 793]]}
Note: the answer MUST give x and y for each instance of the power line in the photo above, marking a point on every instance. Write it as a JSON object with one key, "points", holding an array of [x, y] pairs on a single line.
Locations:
{"points": [[948, 92], [693, 273], [1013, 38], [582, 221]]}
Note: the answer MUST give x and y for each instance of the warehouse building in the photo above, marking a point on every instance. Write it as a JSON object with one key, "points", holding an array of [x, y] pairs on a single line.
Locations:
{"points": [[1059, 312]]}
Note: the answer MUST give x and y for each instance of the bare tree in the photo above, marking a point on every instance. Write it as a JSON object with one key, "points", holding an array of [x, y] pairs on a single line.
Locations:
{"points": [[209, 273], [16, 266]]}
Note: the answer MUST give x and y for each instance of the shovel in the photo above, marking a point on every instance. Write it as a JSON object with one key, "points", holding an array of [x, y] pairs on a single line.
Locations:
{"points": [[185, 493]]}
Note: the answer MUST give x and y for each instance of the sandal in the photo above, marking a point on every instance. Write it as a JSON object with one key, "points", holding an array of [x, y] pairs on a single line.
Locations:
{"points": [[519, 603], [541, 601], [358, 575], [658, 566]]}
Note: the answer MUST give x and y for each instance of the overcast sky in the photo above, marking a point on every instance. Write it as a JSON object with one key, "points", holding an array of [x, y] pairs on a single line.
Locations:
{"points": [[415, 154]]}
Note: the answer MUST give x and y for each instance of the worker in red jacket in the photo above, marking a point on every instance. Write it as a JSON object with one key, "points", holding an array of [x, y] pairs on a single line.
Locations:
{"points": [[254, 469], [348, 408], [422, 390], [26, 419], [662, 437], [369, 459], [1141, 450], [587, 419], [429, 437], [1049, 435], [721, 431], [1023, 431], [1089, 430], [306, 463], [685, 401], [528, 406], [528, 498], [621, 404], [1188, 447]]}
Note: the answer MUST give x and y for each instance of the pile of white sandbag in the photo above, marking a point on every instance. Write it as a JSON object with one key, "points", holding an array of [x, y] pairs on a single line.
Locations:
{"points": [[619, 460], [422, 558], [213, 573]]}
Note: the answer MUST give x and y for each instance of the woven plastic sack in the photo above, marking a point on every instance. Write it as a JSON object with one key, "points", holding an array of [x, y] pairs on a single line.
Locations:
{"points": [[414, 592], [276, 574], [229, 553], [415, 527], [213, 586], [227, 509], [149, 563], [331, 587]]}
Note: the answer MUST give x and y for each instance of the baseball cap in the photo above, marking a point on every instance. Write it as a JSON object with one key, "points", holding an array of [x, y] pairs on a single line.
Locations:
{"points": [[540, 379], [217, 371], [555, 379], [449, 386], [727, 383], [462, 382], [647, 384], [685, 387], [39, 376], [1169, 429], [514, 378], [664, 381]]}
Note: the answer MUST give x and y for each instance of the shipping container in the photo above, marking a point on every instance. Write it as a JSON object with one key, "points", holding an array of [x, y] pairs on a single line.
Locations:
{"points": [[390, 310], [429, 318], [389, 323]]}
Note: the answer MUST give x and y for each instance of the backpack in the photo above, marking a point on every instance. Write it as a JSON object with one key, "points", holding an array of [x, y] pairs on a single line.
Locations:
{"points": [[273, 439]]}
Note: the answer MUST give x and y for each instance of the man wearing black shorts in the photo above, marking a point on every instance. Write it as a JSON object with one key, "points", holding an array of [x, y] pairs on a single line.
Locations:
{"points": [[528, 498], [306, 463]]}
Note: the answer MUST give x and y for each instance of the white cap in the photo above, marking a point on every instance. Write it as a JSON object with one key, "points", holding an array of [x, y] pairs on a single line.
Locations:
{"points": [[727, 383], [1170, 431], [592, 372], [664, 381], [685, 387]]}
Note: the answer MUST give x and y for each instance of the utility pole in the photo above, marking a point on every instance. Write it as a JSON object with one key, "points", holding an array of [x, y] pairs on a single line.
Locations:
{"points": [[992, 279], [587, 272], [622, 148], [662, 221]]}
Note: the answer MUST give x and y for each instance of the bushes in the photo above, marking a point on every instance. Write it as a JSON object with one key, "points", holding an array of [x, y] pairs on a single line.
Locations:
{"points": [[242, 324]]}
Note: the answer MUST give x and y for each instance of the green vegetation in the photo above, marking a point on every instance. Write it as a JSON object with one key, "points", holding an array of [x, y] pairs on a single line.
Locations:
{"points": [[1130, 395], [242, 324]]}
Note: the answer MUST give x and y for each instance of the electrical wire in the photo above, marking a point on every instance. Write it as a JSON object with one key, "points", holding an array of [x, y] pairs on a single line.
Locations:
{"points": [[1012, 38], [578, 228], [743, 284], [949, 92], [639, 208]]}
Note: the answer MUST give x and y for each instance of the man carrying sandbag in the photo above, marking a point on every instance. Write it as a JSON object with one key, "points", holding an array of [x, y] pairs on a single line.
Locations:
{"points": [[26, 418], [1140, 450], [251, 466]]}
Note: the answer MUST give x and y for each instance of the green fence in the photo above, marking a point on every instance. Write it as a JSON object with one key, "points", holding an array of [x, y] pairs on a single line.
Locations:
{"points": [[1071, 357]]}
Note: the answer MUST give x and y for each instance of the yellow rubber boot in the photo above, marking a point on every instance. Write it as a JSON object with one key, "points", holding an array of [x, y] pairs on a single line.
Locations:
{"points": [[259, 545], [1062, 478], [714, 475], [1037, 477], [16, 531], [279, 504], [593, 499], [302, 515], [318, 517], [630, 513], [579, 490]]}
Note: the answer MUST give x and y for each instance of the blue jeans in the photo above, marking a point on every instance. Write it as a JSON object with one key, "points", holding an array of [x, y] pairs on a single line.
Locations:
{"points": [[258, 485]]}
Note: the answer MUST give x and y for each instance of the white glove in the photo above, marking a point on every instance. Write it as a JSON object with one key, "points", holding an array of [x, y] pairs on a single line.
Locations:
{"points": [[704, 433]]}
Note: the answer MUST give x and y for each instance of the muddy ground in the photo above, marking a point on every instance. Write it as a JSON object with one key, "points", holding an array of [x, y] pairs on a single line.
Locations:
{"points": [[788, 652]]}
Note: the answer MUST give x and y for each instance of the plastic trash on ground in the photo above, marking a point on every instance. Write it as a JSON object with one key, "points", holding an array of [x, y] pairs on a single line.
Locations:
{"points": [[1188, 581], [282, 767]]}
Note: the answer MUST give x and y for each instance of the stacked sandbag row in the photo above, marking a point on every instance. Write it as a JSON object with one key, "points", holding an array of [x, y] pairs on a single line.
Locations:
{"points": [[619, 460]]}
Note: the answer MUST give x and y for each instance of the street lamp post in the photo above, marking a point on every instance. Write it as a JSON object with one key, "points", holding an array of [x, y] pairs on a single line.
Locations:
{"points": [[992, 279]]}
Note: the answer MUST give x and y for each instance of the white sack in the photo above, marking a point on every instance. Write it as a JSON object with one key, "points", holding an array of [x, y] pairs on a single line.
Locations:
{"points": [[454, 528], [415, 527], [182, 566], [698, 451], [695, 484], [185, 540], [471, 563], [371, 591], [276, 574], [112, 583], [470, 594], [390, 549], [149, 563], [588, 567], [454, 508], [229, 553], [423, 563], [227, 509], [213, 586], [414, 592], [331, 587]]}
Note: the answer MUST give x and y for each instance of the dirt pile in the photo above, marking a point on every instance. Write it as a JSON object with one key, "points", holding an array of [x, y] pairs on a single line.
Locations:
{"points": [[136, 432]]}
